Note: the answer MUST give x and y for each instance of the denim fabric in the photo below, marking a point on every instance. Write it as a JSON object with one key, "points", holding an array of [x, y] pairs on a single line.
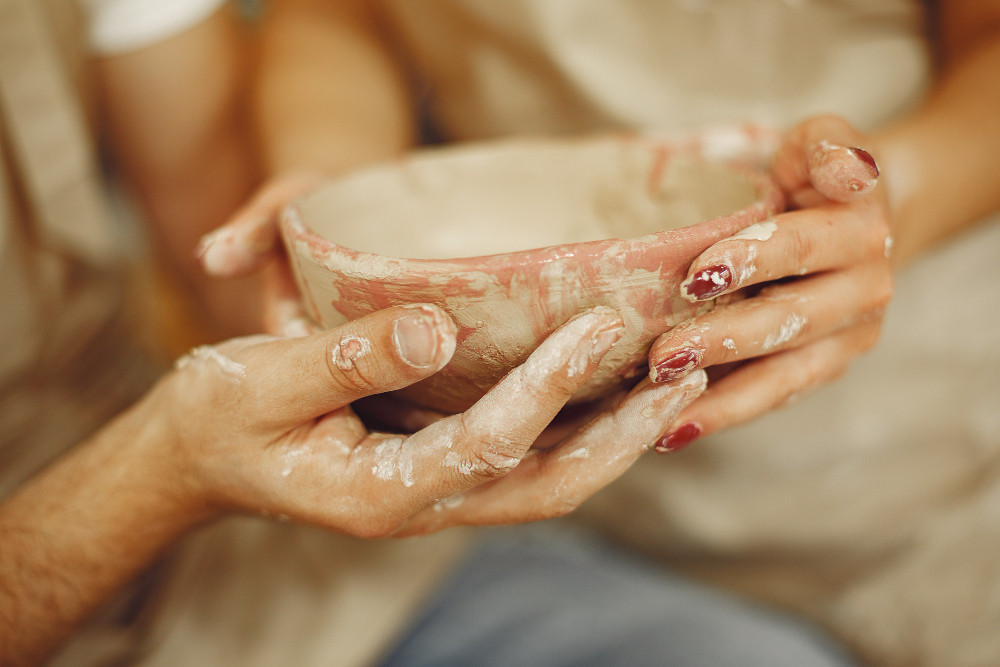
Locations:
{"points": [[544, 596]]}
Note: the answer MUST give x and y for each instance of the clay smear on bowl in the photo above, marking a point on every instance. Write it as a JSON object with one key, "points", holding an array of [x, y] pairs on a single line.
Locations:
{"points": [[513, 239], [440, 209]]}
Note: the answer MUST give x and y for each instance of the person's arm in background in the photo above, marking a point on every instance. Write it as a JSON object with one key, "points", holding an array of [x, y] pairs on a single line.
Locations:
{"points": [[942, 163], [942, 168], [175, 114], [328, 97]]}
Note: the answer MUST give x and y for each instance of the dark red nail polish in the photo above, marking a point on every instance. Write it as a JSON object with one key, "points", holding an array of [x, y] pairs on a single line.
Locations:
{"points": [[679, 438], [677, 364], [709, 283], [867, 159]]}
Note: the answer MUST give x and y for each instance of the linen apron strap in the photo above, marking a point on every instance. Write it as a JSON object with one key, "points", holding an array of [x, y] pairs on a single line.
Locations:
{"points": [[46, 130]]}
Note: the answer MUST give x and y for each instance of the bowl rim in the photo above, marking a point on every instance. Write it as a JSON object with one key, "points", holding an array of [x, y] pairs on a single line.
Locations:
{"points": [[295, 231]]}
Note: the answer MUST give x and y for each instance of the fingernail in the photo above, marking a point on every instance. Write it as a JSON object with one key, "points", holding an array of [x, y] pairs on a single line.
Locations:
{"points": [[679, 438], [708, 283], [211, 253], [416, 338], [204, 244], [676, 364], [865, 158]]}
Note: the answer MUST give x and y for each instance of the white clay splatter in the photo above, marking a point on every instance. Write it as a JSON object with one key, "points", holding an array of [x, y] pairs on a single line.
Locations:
{"points": [[566, 347], [449, 503], [887, 246], [335, 443], [207, 354], [292, 457], [497, 463], [791, 328], [714, 276], [580, 453], [392, 459], [749, 268], [454, 460], [349, 350], [729, 344], [760, 231]]}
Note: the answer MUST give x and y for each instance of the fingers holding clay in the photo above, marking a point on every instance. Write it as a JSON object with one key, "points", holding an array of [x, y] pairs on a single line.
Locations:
{"points": [[780, 316], [316, 462], [553, 482], [791, 244], [768, 383], [490, 439]]}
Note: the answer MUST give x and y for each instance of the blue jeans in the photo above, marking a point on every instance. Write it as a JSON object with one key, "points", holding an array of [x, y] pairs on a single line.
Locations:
{"points": [[545, 596]]}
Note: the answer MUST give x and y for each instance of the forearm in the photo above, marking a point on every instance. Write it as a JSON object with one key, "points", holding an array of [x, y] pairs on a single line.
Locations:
{"points": [[175, 116], [329, 96], [942, 164], [77, 532]]}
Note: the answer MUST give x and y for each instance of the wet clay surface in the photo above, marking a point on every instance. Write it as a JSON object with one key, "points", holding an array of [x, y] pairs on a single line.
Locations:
{"points": [[514, 238]]}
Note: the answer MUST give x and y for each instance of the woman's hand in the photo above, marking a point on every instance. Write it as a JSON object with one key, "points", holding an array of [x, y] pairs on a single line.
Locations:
{"points": [[818, 278], [264, 425]]}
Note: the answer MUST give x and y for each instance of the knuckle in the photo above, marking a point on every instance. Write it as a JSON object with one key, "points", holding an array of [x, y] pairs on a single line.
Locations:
{"points": [[874, 243], [870, 336], [560, 383], [884, 288], [487, 461], [811, 373], [487, 456], [801, 246]]}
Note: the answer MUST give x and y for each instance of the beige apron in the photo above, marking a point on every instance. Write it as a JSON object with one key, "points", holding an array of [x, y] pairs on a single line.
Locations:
{"points": [[873, 505], [58, 265]]}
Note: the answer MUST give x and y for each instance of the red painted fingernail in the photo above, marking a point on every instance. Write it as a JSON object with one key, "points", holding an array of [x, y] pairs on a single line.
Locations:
{"points": [[866, 157], [677, 364], [679, 438], [708, 283]]}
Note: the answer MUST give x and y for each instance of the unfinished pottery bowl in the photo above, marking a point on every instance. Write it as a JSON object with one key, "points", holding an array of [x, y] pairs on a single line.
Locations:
{"points": [[513, 238]]}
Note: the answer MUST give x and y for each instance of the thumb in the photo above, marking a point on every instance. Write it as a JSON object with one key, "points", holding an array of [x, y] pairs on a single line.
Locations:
{"points": [[295, 380], [250, 237], [820, 159]]}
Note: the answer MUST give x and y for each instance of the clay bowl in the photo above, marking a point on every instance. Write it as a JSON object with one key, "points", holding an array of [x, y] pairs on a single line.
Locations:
{"points": [[514, 238]]}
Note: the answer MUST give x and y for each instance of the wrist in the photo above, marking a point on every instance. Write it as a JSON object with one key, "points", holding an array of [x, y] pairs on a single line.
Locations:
{"points": [[165, 484]]}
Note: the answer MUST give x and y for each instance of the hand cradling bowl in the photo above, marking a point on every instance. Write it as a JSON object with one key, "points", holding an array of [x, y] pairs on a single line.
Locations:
{"points": [[513, 238]]}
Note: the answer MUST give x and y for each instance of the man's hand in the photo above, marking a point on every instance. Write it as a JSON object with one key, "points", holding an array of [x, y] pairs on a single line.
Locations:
{"points": [[264, 425]]}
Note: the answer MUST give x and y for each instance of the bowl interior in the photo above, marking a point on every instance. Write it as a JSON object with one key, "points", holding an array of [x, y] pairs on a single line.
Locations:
{"points": [[520, 195]]}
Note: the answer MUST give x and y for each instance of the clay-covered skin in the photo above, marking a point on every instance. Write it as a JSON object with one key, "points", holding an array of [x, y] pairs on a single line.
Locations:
{"points": [[581, 223]]}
